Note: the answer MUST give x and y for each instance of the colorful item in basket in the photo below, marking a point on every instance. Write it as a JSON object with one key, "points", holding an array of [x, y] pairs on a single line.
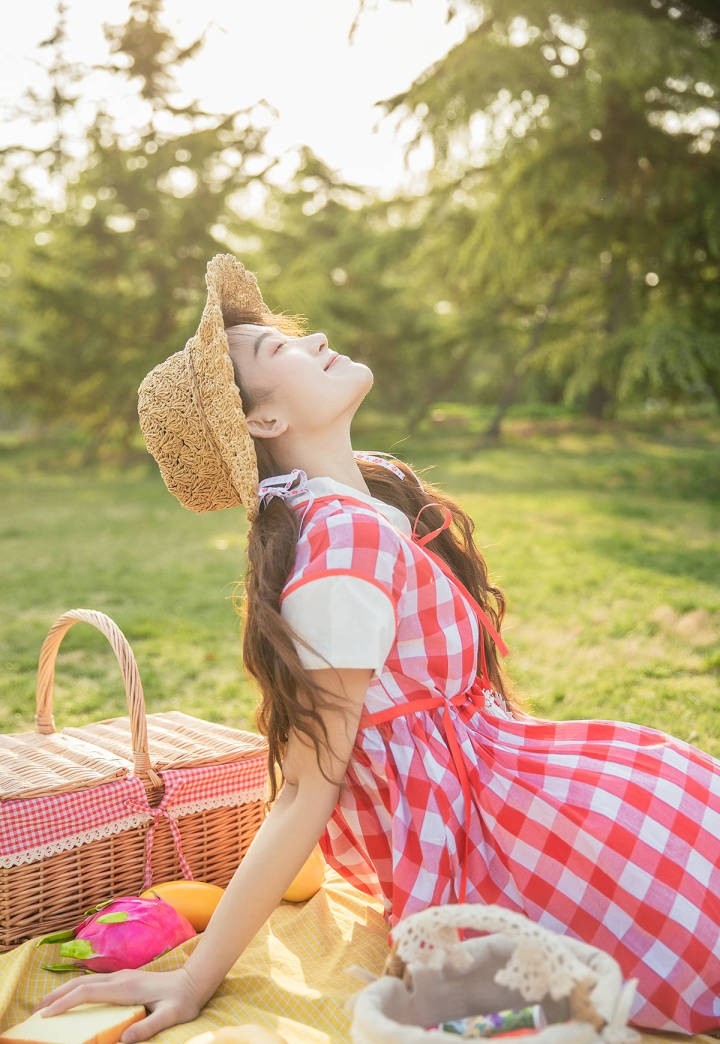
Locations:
{"points": [[195, 900], [122, 933], [495, 1024], [83, 1024]]}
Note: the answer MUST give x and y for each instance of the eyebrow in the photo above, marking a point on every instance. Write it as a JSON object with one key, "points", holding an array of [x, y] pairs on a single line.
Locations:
{"points": [[259, 340]]}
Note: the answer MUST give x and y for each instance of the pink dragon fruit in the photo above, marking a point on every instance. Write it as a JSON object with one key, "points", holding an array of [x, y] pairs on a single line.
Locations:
{"points": [[122, 933]]}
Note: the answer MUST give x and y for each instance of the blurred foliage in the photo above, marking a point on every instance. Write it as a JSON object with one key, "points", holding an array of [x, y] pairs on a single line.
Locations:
{"points": [[576, 195], [566, 248], [103, 276]]}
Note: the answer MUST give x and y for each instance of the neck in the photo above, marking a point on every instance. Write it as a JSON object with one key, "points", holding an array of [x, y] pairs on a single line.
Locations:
{"points": [[322, 458]]}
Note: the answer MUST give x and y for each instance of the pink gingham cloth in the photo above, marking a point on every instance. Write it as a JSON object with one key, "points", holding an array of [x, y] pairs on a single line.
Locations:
{"points": [[607, 831], [32, 829]]}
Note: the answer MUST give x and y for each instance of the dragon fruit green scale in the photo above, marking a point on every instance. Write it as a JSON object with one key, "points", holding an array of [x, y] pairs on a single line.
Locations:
{"points": [[124, 933]]}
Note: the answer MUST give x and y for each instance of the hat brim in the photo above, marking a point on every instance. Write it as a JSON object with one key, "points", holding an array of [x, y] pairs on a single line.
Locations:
{"points": [[190, 408]]}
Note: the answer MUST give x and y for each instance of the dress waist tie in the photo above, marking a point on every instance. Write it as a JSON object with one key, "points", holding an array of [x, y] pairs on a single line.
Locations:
{"points": [[426, 703]]}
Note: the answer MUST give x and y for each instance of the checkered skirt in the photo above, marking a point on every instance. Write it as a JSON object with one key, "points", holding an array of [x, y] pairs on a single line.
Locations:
{"points": [[607, 831]]}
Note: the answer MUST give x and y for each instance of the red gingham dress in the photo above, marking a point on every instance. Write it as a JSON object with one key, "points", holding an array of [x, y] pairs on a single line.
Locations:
{"points": [[606, 831]]}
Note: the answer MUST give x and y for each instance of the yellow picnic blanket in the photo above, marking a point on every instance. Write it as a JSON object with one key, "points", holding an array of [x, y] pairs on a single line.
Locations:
{"points": [[296, 977]]}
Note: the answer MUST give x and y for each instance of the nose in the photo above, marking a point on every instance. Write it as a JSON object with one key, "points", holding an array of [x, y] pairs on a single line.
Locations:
{"points": [[316, 343]]}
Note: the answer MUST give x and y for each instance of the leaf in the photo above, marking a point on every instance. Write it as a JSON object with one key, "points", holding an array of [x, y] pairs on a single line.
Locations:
{"points": [[78, 948], [66, 967], [57, 937], [113, 918], [99, 906]]}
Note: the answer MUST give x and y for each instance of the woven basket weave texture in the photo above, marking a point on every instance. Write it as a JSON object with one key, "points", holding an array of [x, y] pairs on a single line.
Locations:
{"points": [[108, 808]]}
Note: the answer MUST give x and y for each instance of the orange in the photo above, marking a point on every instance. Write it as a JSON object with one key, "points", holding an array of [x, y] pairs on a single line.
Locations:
{"points": [[309, 880], [196, 900]]}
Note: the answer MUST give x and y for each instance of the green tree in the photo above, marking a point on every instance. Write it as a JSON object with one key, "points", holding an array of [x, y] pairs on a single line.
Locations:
{"points": [[111, 275], [575, 197]]}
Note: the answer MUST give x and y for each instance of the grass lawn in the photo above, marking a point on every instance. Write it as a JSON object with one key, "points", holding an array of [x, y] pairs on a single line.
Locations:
{"points": [[605, 539]]}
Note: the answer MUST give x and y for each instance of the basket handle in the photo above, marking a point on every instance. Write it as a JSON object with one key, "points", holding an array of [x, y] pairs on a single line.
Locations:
{"points": [[44, 721], [427, 936]]}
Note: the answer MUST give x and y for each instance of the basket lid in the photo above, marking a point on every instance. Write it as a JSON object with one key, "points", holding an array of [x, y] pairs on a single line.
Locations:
{"points": [[177, 740], [32, 765]]}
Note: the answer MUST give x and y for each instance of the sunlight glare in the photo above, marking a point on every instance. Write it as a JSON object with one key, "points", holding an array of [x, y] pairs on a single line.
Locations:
{"points": [[294, 58]]}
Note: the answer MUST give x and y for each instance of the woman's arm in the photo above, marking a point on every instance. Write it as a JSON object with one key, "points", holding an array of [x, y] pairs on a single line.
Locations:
{"points": [[281, 846], [286, 838]]}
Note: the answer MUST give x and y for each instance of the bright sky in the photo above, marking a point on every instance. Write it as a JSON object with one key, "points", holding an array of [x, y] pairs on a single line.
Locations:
{"points": [[293, 53]]}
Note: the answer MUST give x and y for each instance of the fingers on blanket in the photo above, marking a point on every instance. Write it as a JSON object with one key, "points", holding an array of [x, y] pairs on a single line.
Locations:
{"points": [[60, 999], [83, 990], [120, 988]]}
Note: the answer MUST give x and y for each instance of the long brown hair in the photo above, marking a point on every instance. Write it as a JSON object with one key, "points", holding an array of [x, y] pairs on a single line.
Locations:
{"points": [[269, 649], [290, 698]]}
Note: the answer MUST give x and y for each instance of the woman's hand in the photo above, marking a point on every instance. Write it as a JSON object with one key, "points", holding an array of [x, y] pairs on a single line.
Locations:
{"points": [[170, 997]]}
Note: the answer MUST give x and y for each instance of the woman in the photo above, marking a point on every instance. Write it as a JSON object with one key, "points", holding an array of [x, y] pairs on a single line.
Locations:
{"points": [[373, 632]]}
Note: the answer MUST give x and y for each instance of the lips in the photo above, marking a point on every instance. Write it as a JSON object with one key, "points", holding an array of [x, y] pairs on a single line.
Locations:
{"points": [[334, 356]]}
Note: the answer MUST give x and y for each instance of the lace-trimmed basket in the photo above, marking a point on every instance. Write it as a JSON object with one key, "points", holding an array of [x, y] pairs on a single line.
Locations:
{"points": [[106, 809], [432, 976]]}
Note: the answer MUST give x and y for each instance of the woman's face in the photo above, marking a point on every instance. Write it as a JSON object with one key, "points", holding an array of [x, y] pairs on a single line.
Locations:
{"points": [[294, 383]]}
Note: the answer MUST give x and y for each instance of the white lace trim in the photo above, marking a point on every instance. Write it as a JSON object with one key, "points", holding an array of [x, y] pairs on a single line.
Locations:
{"points": [[496, 704], [65, 844], [542, 962], [223, 801], [139, 819]]}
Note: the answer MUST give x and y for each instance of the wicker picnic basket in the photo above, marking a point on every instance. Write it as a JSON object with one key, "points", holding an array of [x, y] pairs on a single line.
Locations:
{"points": [[109, 808]]}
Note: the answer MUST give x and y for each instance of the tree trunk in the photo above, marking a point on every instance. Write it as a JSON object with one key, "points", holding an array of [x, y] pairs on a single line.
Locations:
{"points": [[597, 402], [439, 390], [514, 382]]}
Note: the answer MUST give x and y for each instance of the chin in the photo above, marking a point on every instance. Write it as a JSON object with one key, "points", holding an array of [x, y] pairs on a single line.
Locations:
{"points": [[369, 376], [364, 386]]}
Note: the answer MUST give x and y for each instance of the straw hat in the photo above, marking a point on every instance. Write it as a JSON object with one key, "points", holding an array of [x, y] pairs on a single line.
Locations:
{"points": [[189, 406]]}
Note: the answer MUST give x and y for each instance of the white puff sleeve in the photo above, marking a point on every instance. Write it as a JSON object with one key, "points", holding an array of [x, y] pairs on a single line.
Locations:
{"points": [[341, 621]]}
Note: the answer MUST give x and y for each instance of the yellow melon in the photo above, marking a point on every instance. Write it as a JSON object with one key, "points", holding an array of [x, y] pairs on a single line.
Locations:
{"points": [[309, 880], [195, 900]]}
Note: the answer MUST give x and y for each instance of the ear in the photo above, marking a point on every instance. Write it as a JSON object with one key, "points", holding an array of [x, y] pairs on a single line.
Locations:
{"points": [[266, 427]]}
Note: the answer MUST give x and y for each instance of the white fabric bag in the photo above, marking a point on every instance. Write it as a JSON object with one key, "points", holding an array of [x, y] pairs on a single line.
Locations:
{"points": [[432, 976]]}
